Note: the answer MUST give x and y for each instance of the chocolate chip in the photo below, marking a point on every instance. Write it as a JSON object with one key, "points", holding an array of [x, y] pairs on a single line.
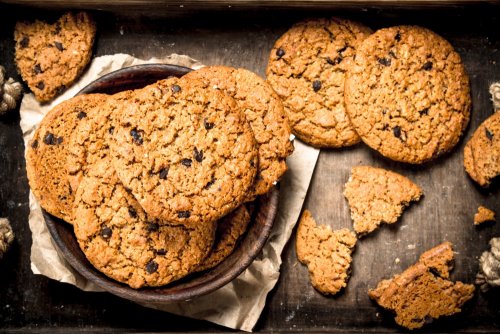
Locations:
{"points": [[34, 143], [106, 232], [161, 252], [59, 140], [59, 46], [24, 42], [210, 183], [81, 115], [397, 37], [489, 135], [424, 112], [343, 49], [37, 69], [427, 66], [60, 89], [187, 162], [384, 61], [151, 267], [40, 85], [207, 124], [136, 136], [111, 130], [49, 139], [335, 61], [163, 173], [176, 89], [397, 131], [316, 85], [183, 214], [153, 227], [198, 155], [280, 52], [132, 213]]}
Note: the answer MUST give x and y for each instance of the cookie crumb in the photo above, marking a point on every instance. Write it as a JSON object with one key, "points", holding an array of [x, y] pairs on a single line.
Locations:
{"points": [[484, 215]]}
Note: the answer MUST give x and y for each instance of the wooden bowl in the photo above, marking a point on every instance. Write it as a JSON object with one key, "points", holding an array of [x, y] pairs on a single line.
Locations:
{"points": [[193, 285]]}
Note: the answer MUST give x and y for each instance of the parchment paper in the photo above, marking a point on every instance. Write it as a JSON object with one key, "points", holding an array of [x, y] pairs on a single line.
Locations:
{"points": [[238, 304]]}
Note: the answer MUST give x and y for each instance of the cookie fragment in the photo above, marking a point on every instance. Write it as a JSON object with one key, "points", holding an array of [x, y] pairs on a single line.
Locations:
{"points": [[50, 57], [483, 215], [489, 267], [378, 196], [326, 253], [423, 291], [482, 152]]}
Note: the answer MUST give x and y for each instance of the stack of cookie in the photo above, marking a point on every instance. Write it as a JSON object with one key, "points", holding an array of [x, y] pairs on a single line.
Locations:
{"points": [[155, 181]]}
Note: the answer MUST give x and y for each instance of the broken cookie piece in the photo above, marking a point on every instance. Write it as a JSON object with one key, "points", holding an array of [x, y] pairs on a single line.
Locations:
{"points": [[326, 253], [484, 215], [423, 291], [378, 196], [489, 267]]}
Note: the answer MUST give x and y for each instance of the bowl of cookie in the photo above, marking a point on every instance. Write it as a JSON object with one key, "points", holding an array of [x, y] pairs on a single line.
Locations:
{"points": [[158, 183]]}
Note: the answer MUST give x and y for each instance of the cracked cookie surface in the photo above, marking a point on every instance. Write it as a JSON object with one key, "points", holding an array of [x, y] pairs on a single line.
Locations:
{"points": [[48, 150], [307, 68], [378, 196], [482, 151], [326, 253], [51, 56], [407, 94], [186, 153], [423, 292], [121, 241], [264, 111]]}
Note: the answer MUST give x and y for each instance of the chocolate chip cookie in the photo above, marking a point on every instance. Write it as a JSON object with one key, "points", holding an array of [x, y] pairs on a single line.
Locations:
{"points": [[378, 196], [187, 153], [482, 151], [307, 67], [423, 291], [326, 253], [48, 150], [121, 241], [50, 57], [263, 110], [407, 94]]}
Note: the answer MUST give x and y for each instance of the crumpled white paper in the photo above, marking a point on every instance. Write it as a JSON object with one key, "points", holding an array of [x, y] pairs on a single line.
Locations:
{"points": [[238, 304]]}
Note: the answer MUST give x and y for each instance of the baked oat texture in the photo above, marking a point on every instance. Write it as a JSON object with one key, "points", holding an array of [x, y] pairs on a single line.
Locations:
{"points": [[423, 292], [407, 94], [482, 151], [186, 153], [264, 111], [484, 215], [122, 242], [48, 151], [326, 253], [307, 68], [229, 231], [377, 196], [50, 57]]}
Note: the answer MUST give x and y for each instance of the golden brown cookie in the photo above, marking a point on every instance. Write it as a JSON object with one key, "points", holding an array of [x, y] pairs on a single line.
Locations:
{"points": [[51, 56], [48, 150], [263, 110], [378, 196], [484, 215], [423, 291], [122, 242], [482, 151], [186, 153], [307, 67], [407, 94], [228, 233], [326, 253]]}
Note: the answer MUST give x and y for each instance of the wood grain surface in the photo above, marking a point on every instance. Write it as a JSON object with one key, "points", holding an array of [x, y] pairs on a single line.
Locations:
{"points": [[244, 39]]}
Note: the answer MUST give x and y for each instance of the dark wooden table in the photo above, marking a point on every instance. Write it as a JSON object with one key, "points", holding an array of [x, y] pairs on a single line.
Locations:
{"points": [[243, 38]]}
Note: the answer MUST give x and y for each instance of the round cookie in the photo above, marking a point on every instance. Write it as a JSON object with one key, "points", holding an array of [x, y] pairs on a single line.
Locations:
{"points": [[407, 94], [263, 110], [307, 69], [186, 153], [482, 151], [120, 240], [48, 150], [51, 56], [228, 233]]}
